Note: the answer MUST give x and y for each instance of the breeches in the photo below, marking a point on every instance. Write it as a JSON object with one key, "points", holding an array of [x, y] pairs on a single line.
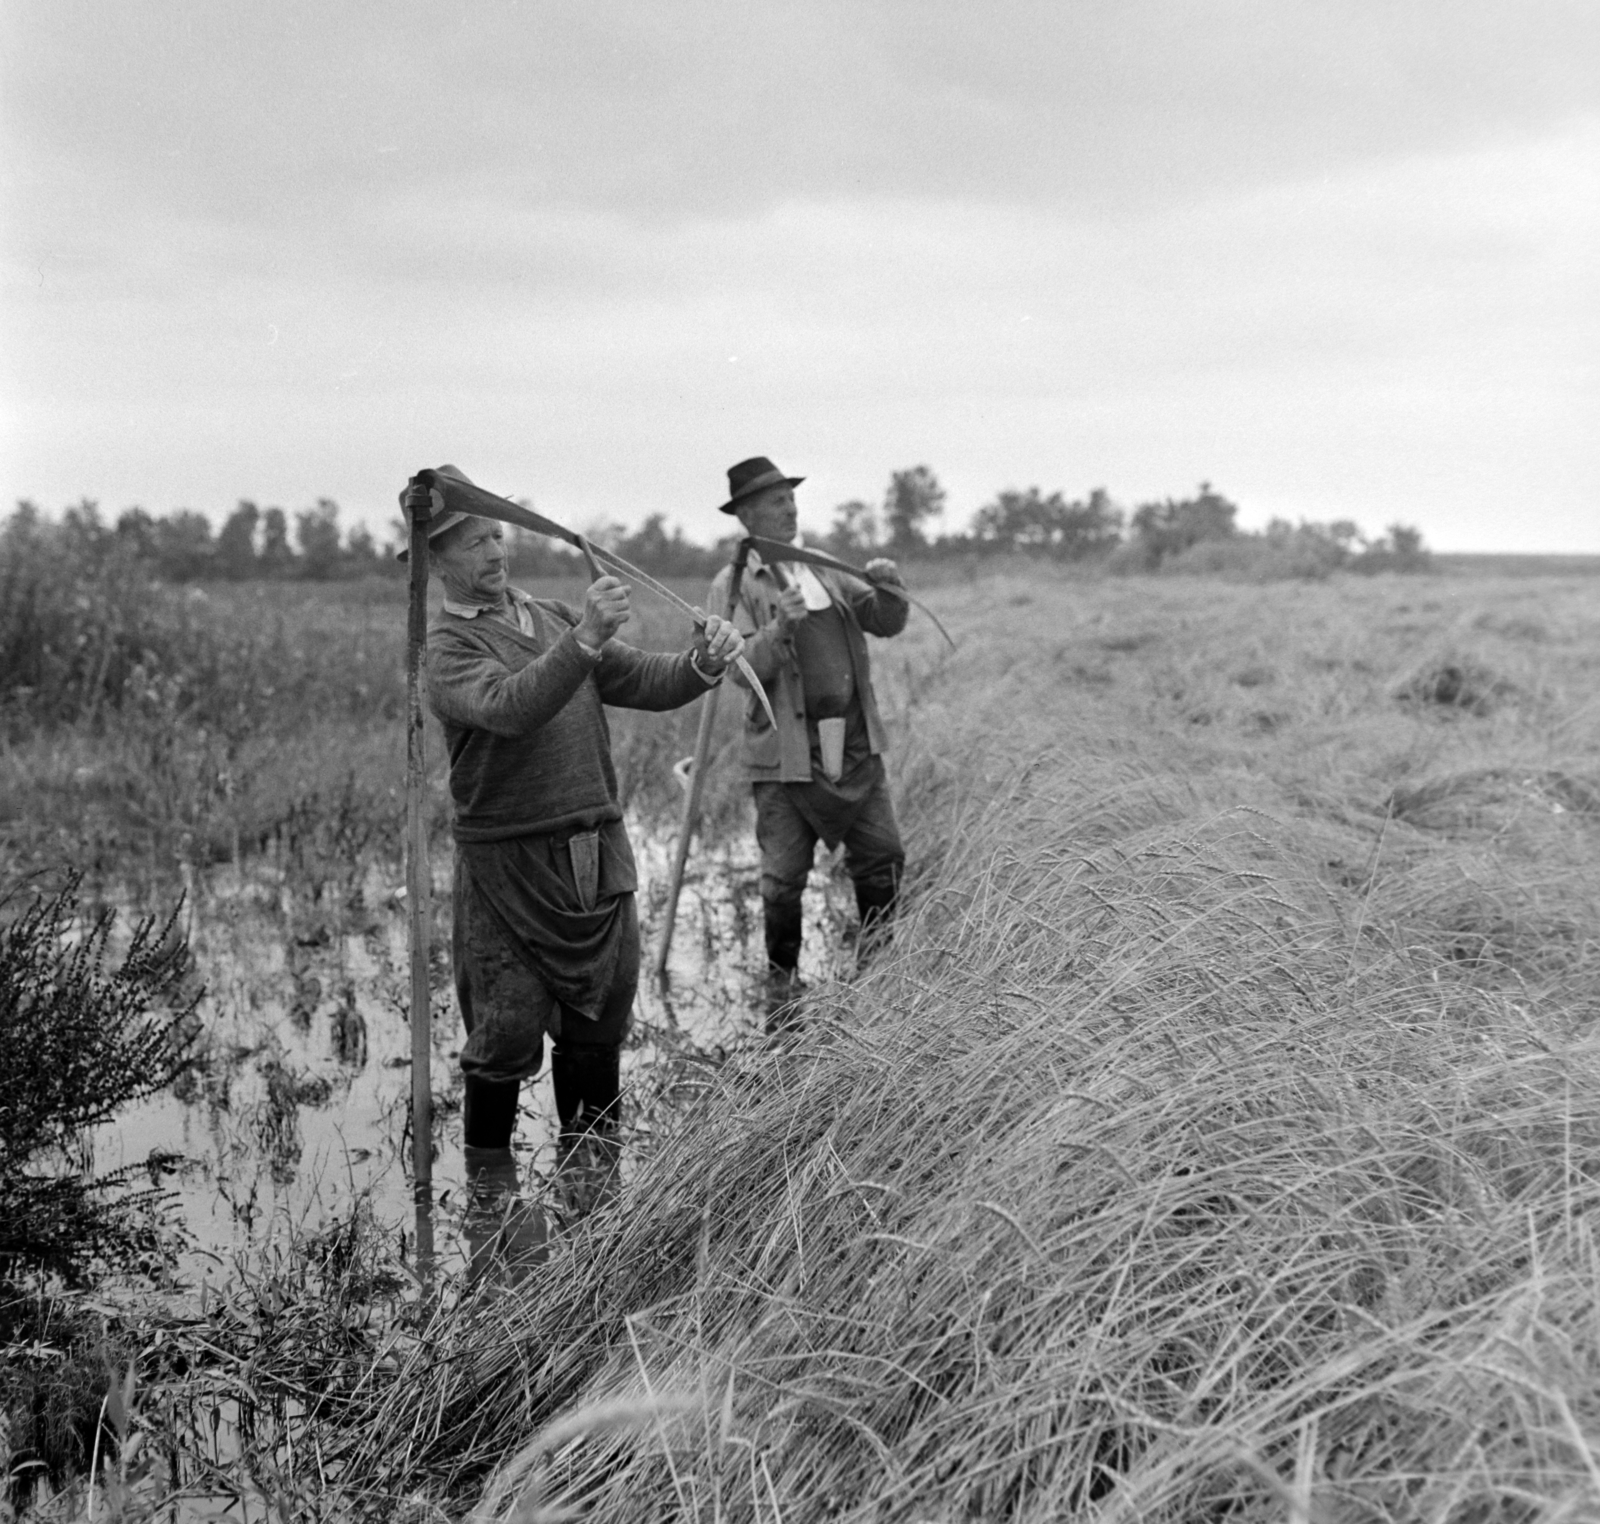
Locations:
{"points": [[873, 857], [508, 1011]]}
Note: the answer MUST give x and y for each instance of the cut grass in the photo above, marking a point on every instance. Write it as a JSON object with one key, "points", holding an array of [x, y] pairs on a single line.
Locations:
{"points": [[1177, 1164]]}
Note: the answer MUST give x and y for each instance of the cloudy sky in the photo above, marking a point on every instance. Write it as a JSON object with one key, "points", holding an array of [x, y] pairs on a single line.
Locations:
{"points": [[1338, 257]]}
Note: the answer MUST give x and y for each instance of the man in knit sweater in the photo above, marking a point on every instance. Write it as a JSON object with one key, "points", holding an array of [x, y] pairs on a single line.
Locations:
{"points": [[819, 774], [546, 935]]}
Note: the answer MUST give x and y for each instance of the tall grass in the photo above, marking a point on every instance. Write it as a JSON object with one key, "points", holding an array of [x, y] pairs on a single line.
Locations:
{"points": [[1218, 1139], [146, 729], [1176, 1165]]}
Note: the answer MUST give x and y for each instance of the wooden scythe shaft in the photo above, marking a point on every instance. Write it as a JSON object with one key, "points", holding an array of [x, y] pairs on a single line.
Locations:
{"points": [[418, 897], [697, 780]]}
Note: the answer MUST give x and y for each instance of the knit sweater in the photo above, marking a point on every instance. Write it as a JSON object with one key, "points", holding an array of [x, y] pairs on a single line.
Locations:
{"points": [[530, 751]]}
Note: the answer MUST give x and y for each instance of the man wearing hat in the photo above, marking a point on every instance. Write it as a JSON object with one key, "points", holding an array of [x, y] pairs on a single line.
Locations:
{"points": [[820, 773], [545, 941]]}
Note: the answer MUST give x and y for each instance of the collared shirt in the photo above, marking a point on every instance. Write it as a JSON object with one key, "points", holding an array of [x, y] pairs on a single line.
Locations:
{"points": [[811, 587], [517, 613]]}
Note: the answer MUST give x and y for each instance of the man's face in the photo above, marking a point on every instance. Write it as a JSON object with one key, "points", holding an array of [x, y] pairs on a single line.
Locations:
{"points": [[472, 562], [771, 514]]}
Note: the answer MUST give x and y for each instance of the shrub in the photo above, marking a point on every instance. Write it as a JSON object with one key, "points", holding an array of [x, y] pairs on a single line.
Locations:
{"points": [[82, 1041]]}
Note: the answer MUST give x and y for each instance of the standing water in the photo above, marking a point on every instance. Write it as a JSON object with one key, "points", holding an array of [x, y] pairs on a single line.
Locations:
{"points": [[300, 1102]]}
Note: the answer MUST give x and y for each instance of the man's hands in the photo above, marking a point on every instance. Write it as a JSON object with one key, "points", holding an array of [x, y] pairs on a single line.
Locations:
{"points": [[717, 646], [605, 611], [882, 569], [791, 608]]}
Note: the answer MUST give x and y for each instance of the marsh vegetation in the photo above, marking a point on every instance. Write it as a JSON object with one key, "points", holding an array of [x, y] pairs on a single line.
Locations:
{"points": [[1218, 1140]]}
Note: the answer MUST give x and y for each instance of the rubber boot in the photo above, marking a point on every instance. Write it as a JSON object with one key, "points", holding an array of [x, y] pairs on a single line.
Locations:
{"points": [[506, 1236], [588, 1087], [782, 1001], [781, 923], [781, 926], [875, 903]]}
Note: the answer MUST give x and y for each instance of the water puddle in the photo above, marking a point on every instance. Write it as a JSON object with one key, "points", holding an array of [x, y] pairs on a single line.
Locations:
{"points": [[301, 1101]]}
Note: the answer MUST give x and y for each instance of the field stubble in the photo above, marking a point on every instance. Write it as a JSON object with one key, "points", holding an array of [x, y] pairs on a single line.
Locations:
{"points": [[1219, 1139]]}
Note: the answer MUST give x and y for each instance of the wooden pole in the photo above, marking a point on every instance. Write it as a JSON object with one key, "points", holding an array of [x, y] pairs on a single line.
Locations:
{"points": [[419, 896], [697, 780]]}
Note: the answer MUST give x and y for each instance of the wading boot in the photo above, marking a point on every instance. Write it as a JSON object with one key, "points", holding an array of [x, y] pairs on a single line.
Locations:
{"points": [[782, 1002], [875, 903], [506, 1236], [588, 1086]]}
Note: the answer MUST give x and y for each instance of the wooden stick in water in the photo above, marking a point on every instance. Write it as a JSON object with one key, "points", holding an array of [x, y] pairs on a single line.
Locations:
{"points": [[418, 904], [697, 781]]}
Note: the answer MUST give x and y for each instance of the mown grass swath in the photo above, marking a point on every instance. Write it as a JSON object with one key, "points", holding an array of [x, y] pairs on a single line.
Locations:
{"points": [[1183, 1162]]}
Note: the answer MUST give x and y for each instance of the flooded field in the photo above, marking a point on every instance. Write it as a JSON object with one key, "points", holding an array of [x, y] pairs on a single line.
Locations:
{"points": [[300, 1103]]}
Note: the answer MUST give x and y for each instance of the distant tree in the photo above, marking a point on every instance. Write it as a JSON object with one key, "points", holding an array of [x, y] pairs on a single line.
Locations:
{"points": [[185, 548], [277, 558], [1400, 549], [1406, 541], [1169, 528], [86, 538], [914, 497], [653, 549], [236, 544], [361, 551], [1029, 521], [857, 531], [317, 530], [136, 531]]}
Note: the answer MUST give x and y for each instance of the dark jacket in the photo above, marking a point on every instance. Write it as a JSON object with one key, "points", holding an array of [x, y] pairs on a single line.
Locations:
{"points": [[784, 755]]}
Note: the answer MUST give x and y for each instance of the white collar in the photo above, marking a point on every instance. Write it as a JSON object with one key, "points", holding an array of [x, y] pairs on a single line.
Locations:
{"points": [[811, 586], [513, 595]]}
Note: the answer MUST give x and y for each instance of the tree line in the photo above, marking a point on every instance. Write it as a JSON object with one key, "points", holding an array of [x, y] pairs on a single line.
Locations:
{"points": [[1199, 532]]}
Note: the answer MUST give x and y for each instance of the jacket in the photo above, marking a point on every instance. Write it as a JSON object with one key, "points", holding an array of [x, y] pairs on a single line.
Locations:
{"points": [[784, 755]]}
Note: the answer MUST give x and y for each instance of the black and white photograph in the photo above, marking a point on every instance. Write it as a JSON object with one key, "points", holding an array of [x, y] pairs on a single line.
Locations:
{"points": [[798, 761]]}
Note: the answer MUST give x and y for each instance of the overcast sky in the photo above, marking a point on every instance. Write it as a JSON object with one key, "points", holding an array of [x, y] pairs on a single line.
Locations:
{"points": [[1338, 257]]}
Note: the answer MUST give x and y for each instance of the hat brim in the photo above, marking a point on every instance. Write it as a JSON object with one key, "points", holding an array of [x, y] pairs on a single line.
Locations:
{"points": [[436, 527], [447, 520], [759, 485]]}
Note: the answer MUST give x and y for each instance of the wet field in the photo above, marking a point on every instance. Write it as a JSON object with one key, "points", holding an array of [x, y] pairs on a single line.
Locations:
{"points": [[299, 1103]]}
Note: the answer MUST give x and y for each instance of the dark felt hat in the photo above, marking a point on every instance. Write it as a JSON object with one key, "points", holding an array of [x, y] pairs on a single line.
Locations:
{"points": [[440, 522], [752, 476]]}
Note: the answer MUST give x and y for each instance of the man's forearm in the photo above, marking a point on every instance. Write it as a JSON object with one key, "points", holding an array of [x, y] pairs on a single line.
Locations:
{"points": [[630, 679]]}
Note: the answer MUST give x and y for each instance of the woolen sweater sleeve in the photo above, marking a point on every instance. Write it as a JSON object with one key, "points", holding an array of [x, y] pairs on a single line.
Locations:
{"points": [[468, 685], [877, 611], [633, 679]]}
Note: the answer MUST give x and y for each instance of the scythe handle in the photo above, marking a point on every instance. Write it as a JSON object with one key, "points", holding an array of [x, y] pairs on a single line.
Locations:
{"points": [[697, 782]]}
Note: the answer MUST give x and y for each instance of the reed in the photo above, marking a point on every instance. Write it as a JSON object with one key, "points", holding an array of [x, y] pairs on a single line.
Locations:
{"points": [[1177, 1164]]}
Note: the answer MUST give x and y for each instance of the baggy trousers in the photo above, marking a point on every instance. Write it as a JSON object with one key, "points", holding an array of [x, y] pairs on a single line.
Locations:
{"points": [[788, 827]]}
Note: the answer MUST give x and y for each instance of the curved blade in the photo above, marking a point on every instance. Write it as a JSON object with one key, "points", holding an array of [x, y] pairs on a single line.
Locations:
{"points": [[467, 497], [782, 550]]}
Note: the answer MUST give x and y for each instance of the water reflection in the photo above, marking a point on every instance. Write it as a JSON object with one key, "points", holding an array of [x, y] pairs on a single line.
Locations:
{"points": [[301, 1100]]}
